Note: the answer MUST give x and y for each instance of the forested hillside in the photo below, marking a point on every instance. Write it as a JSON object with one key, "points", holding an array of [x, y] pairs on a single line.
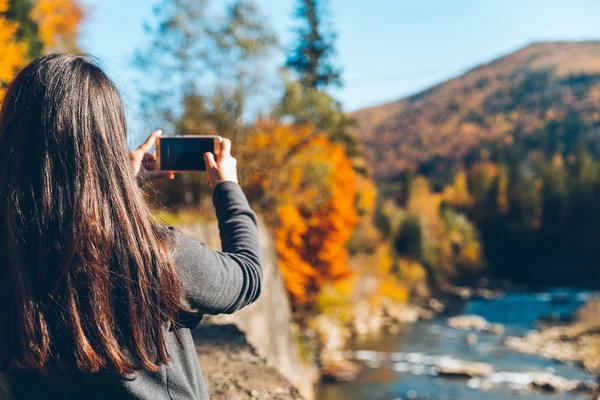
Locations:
{"points": [[513, 146], [513, 98]]}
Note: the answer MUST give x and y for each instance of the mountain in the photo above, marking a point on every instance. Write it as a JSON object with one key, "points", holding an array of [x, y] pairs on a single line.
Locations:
{"points": [[522, 98]]}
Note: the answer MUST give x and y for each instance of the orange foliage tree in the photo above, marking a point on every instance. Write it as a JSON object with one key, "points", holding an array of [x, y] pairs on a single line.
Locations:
{"points": [[309, 186], [13, 53], [58, 22]]}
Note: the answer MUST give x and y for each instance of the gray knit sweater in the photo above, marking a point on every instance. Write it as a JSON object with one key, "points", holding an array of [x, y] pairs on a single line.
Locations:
{"points": [[213, 282]]}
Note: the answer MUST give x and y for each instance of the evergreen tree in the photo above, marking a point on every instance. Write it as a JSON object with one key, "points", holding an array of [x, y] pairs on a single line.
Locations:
{"points": [[409, 238], [305, 100], [311, 57]]}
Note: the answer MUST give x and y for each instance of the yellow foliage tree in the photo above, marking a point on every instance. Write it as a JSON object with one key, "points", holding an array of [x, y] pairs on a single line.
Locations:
{"points": [[13, 53], [366, 236], [310, 184], [458, 193], [439, 237], [58, 22]]}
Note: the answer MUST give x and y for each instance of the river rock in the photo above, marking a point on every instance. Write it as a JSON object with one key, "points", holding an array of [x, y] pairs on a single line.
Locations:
{"points": [[366, 319], [588, 387], [464, 293], [468, 322], [401, 313], [545, 344], [552, 383], [339, 370], [495, 329], [461, 369], [471, 339], [436, 305], [488, 294], [578, 342], [554, 319], [393, 329], [475, 322], [331, 334], [426, 314]]}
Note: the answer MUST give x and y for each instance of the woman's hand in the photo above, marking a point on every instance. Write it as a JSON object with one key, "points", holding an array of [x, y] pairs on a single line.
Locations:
{"points": [[144, 163], [221, 166]]}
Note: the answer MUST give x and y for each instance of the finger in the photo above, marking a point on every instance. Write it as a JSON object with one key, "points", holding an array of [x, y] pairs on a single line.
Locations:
{"points": [[149, 164], [150, 168], [217, 146], [209, 160], [149, 157], [225, 148], [147, 145]]}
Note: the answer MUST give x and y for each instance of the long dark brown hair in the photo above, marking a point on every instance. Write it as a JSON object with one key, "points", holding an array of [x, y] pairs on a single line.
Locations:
{"points": [[86, 279]]}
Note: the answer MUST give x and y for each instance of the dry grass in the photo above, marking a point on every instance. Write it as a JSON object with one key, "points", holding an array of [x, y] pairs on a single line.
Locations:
{"points": [[182, 217]]}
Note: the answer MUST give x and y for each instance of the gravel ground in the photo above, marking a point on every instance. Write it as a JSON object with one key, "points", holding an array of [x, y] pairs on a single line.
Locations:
{"points": [[233, 370]]}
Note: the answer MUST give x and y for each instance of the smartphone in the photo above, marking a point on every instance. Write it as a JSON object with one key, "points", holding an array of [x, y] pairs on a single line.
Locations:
{"points": [[183, 153]]}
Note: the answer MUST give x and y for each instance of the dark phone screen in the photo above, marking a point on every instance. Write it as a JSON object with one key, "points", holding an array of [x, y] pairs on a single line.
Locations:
{"points": [[185, 154]]}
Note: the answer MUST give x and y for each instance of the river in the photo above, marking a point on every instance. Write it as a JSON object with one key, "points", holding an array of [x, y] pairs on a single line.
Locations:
{"points": [[399, 366]]}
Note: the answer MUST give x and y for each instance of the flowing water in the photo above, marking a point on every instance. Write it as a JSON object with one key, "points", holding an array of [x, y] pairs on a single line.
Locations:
{"points": [[402, 366]]}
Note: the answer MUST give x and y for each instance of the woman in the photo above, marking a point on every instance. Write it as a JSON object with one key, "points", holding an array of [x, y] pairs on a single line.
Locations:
{"points": [[96, 300]]}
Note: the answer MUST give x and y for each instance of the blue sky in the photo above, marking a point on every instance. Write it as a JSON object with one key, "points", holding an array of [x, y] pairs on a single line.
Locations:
{"points": [[387, 48]]}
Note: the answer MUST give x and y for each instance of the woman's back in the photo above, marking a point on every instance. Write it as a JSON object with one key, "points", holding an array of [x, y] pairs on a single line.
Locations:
{"points": [[98, 299]]}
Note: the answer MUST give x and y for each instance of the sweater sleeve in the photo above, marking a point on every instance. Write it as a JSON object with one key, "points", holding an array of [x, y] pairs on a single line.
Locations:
{"points": [[217, 282]]}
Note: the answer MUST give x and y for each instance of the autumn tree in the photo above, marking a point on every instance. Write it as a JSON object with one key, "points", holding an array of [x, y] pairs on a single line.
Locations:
{"points": [[29, 29], [305, 105], [14, 50], [434, 234], [308, 185], [58, 22]]}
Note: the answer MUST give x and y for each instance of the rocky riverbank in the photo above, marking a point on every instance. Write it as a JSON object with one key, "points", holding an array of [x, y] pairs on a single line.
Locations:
{"points": [[463, 351], [366, 317], [331, 334], [479, 375], [577, 342]]}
